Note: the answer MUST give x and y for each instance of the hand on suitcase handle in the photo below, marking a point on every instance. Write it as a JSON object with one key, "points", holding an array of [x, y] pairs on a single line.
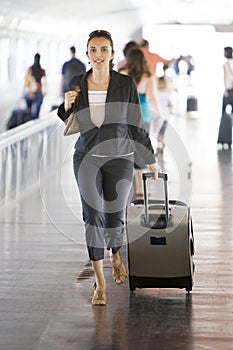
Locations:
{"points": [[149, 175], [154, 170], [163, 176]]}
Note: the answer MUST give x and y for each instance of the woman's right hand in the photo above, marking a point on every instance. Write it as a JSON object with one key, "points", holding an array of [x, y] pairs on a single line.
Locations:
{"points": [[70, 97]]}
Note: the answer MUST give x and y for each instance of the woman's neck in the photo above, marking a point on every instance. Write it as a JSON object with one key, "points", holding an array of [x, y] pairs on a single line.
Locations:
{"points": [[98, 80]]}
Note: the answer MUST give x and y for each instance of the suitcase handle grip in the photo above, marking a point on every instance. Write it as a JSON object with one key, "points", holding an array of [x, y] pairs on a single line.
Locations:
{"points": [[160, 176], [163, 176]]}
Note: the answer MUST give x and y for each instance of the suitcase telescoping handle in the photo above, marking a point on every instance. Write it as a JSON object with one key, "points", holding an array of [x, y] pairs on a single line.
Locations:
{"points": [[163, 176]]}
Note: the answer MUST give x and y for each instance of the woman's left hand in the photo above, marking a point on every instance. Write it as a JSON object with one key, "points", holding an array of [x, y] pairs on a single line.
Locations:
{"points": [[154, 168]]}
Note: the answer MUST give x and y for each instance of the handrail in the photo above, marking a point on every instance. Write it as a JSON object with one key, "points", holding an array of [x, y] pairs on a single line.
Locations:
{"points": [[28, 152], [27, 129]]}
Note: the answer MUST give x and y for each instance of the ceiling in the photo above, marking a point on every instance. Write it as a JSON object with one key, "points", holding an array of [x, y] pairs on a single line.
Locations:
{"points": [[67, 18]]}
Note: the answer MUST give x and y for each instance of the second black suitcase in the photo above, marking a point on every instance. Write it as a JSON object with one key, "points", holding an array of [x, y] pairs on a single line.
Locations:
{"points": [[18, 117], [160, 242], [192, 105]]}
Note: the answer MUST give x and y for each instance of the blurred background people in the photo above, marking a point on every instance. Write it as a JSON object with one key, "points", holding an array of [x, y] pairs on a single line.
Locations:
{"points": [[165, 97], [228, 79], [137, 67], [188, 64], [129, 45], [225, 127], [164, 93], [34, 87], [69, 69], [152, 58]]}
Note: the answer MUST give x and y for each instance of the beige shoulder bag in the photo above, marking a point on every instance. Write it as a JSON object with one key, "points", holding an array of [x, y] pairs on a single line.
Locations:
{"points": [[72, 124]]}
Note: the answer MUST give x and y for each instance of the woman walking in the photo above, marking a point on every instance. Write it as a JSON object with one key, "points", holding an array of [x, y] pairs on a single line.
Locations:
{"points": [[111, 134]]}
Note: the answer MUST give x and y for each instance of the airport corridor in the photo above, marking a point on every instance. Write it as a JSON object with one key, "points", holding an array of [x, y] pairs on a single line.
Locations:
{"points": [[46, 281]]}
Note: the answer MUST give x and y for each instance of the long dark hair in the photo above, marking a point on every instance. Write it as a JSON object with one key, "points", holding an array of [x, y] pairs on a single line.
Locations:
{"points": [[37, 71], [137, 64], [228, 51], [102, 34]]}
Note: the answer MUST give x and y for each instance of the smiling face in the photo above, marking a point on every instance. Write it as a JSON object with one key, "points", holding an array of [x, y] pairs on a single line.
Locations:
{"points": [[99, 52]]}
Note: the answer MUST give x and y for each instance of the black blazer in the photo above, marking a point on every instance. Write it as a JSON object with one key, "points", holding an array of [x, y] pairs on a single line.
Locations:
{"points": [[122, 131]]}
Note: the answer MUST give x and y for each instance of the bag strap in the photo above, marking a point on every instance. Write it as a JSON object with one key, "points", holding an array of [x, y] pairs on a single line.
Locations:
{"points": [[75, 104]]}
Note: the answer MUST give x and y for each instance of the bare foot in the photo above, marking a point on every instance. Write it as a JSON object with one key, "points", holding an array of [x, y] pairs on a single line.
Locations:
{"points": [[99, 297], [119, 271]]}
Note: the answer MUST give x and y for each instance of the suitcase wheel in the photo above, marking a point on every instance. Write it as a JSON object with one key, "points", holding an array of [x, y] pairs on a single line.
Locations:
{"points": [[132, 284], [190, 285]]}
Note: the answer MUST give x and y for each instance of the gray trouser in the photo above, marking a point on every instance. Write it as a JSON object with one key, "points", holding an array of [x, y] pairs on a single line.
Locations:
{"points": [[104, 185]]}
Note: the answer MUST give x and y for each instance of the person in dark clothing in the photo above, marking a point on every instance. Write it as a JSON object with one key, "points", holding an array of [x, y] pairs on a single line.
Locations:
{"points": [[33, 87], [111, 134], [228, 79], [225, 126], [71, 68]]}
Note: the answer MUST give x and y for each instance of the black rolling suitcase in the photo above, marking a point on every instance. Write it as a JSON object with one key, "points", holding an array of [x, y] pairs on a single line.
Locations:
{"points": [[225, 130], [18, 117], [160, 242]]}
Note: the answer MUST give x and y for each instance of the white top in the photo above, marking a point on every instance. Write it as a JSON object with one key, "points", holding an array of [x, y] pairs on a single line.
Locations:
{"points": [[228, 66], [97, 106], [97, 111]]}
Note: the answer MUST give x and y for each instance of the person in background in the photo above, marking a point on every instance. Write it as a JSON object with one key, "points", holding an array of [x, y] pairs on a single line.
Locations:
{"points": [[69, 69], [138, 69], [109, 116], [152, 58], [228, 79], [34, 87], [164, 94], [225, 127], [129, 45], [188, 60]]}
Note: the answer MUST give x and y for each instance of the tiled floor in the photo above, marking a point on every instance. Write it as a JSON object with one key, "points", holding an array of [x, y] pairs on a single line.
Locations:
{"points": [[46, 280]]}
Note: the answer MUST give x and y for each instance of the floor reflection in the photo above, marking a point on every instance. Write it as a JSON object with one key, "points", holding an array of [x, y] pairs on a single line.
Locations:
{"points": [[226, 189], [151, 320]]}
